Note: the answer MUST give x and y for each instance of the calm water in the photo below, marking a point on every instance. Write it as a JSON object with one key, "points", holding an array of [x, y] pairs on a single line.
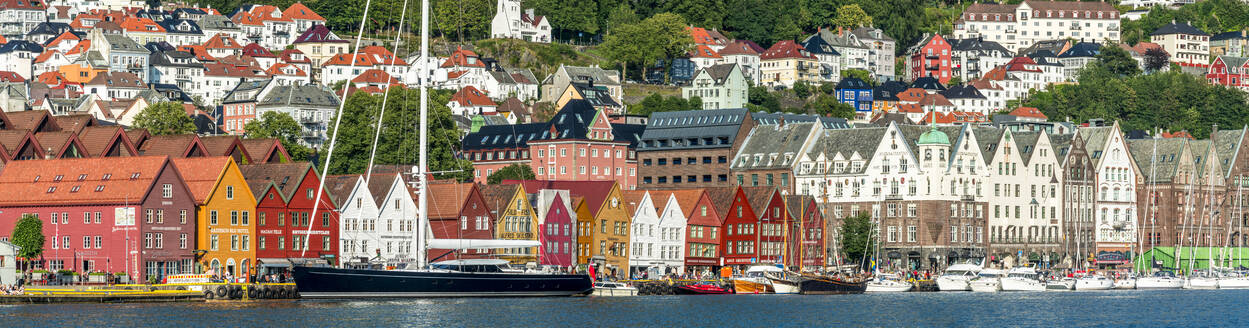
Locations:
{"points": [[1221, 308]]}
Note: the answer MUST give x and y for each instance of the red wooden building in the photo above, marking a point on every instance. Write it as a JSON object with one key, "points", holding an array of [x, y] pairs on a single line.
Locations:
{"points": [[769, 206], [285, 224], [702, 238], [806, 233], [458, 211], [930, 57], [740, 240], [126, 214]]}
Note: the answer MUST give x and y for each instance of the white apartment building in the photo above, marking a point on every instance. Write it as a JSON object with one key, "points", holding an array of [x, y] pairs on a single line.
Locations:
{"points": [[1018, 26]]}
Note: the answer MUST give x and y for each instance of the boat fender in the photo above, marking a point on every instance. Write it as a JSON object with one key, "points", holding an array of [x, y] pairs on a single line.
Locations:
{"points": [[268, 292], [208, 294], [221, 291], [237, 293], [295, 292], [253, 293]]}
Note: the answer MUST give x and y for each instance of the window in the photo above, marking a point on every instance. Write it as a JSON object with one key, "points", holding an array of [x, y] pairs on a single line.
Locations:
{"points": [[229, 192], [910, 234], [893, 234], [182, 241], [214, 242], [166, 190], [212, 217]]}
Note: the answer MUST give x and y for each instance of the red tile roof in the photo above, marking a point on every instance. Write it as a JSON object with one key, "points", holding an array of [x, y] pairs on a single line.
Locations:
{"points": [[67, 36], [256, 51], [201, 174], [469, 96], [702, 51], [52, 79], [345, 59], [704, 36], [463, 58], [446, 199], [912, 95], [786, 49], [222, 41], [56, 143], [1029, 112], [280, 69], [374, 76], [176, 146], [300, 11], [82, 181], [140, 24], [98, 140], [7, 76]]}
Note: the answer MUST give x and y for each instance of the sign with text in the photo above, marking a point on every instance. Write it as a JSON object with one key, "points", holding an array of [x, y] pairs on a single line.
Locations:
{"points": [[123, 216]]}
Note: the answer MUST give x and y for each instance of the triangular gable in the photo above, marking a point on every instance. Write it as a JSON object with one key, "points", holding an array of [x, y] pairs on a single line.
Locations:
{"points": [[196, 148], [73, 148], [27, 148]]}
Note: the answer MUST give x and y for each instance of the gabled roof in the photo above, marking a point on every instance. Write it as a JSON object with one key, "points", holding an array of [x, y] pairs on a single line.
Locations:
{"points": [[773, 146], [722, 199], [285, 176], [318, 33], [377, 76], [704, 36], [1178, 28], [256, 51], [446, 200], [7, 76], [142, 25], [202, 174], [702, 51], [463, 58], [786, 49], [928, 83], [1031, 112], [688, 200], [740, 48], [54, 144], [33, 120], [594, 192], [222, 41], [224, 145], [469, 96], [759, 198], [499, 197], [300, 11], [339, 187], [847, 142], [80, 181], [265, 150], [117, 80], [962, 91], [175, 146], [98, 140]]}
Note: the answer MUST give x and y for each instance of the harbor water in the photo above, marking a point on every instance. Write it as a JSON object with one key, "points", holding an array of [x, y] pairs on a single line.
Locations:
{"points": [[1114, 308]]}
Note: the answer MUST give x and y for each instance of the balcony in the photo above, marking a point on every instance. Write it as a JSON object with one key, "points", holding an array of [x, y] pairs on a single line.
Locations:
{"points": [[932, 56], [184, 77], [1010, 30], [316, 134], [893, 197], [1076, 27], [932, 67], [968, 198]]}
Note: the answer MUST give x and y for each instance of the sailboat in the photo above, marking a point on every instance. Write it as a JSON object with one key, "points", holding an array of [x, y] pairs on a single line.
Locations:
{"points": [[1237, 279], [453, 278], [1207, 279], [1160, 279], [881, 282]]}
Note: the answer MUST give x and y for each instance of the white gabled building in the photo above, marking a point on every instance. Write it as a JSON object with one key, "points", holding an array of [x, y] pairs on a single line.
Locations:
{"points": [[511, 23], [1019, 26], [1115, 177], [656, 231], [378, 218], [1025, 211]]}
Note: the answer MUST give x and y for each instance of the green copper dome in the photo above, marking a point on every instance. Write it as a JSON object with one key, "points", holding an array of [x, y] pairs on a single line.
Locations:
{"points": [[934, 137]]}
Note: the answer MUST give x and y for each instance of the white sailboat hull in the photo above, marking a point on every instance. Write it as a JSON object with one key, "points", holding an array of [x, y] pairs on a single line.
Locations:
{"points": [[1234, 283], [1159, 283], [1014, 284], [1094, 284], [952, 284], [888, 286], [1061, 285], [1201, 283], [1125, 283]]}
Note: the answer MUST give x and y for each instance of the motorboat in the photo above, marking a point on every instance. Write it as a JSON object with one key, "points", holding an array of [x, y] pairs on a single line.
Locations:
{"points": [[1160, 280], [607, 288], [1022, 278], [1202, 280], [824, 285], [988, 280], [955, 277], [1061, 284], [755, 280], [784, 282], [884, 283], [1094, 282], [1235, 280], [1126, 282], [702, 288]]}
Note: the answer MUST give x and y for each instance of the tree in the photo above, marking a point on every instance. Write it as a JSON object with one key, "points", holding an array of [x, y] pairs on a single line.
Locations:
{"points": [[1156, 59], [802, 90], [281, 126], [621, 16], [828, 88], [859, 74], [828, 105], [398, 143], [785, 29], [511, 172], [28, 235], [851, 16], [763, 100], [857, 239], [660, 37], [1117, 61], [566, 15], [463, 19], [164, 118]]}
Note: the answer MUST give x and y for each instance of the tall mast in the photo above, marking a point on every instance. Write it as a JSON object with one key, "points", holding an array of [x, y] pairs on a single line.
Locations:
{"points": [[422, 164], [1153, 212]]}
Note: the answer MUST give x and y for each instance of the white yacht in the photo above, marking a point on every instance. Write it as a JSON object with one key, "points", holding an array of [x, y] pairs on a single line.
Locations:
{"points": [[989, 280], [1202, 280], [885, 282], [605, 288], [956, 277], [1126, 282], [1061, 284], [1094, 282], [1160, 280], [1022, 278], [1235, 280]]}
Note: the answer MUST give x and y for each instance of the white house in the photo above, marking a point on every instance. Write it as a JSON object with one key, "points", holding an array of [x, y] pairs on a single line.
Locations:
{"points": [[517, 82], [1025, 211], [720, 87], [8, 263], [1115, 180], [510, 23], [655, 245], [378, 219], [470, 101], [1019, 26]]}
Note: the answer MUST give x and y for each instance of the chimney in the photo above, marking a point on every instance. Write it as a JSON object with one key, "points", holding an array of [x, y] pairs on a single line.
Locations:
{"points": [[780, 120]]}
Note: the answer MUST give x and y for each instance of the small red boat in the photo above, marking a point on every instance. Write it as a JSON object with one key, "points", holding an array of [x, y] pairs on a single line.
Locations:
{"points": [[702, 289]]}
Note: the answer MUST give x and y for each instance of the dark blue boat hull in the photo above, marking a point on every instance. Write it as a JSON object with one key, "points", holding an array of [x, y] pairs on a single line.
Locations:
{"points": [[326, 282]]}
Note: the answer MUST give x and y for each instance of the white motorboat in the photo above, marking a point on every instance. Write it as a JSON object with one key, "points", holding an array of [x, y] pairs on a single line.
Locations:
{"points": [[1022, 279], [605, 288], [956, 277], [1160, 280], [989, 280], [1064, 284], [1236, 280], [1094, 282], [1202, 280], [1126, 282], [887, 283], [755, 280]]}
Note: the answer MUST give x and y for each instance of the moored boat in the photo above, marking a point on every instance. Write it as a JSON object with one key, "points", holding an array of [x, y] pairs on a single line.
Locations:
{"points": [[784, 282], [1062, 284], [607, 288], [1126, 282], [885, 283], [1236, 280], [822, 285], [1160, 280], [989, 280], [702, 289], [956, 277], [1202, 280], [755, 280], [455, 278], [1094, 282], [1022, 278]]}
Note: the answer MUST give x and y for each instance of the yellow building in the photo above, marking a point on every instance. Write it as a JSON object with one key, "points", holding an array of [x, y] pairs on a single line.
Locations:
{"points": [[786, 63], [517, 220], [81, 74], [224, 208]]}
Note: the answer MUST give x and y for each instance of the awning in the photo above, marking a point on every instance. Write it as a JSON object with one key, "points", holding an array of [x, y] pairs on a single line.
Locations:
{"points": [[895, 255], [273, 262]]}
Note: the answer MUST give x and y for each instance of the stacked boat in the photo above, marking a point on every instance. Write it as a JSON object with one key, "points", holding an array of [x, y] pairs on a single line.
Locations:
{"points": [[957, 277], [1022, 279], [989, 280]]}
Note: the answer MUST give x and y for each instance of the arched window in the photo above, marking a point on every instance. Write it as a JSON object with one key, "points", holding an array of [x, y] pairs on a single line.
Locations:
{"points": [[928, 154]]}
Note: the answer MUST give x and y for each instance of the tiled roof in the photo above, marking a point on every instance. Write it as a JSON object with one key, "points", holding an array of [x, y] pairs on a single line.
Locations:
{"points": [[594, 192], [1028, 112], [339, 187], [445, 200], [256, 51], [228, 70], [82, 181], [300, 11], [7, 76], [376, 76], [1178, 28], [498, 197], [318, 33], [222, 145], [54, 143], [117, 80], [176, 146], [34, 120], [96, 140], [222, 41], [469, 96], [23, 4], [285, 176], [201, 174], [280, 69], [73, 122], [786, 49], [262, 149], [739, 48], [702, 51], [759, 198], [141, 24], [345, 59], [704, 36], [633, 198], [463, 58]]}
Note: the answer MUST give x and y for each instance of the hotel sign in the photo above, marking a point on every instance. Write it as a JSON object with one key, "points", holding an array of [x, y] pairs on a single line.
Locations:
{"points": [[123, 216]]}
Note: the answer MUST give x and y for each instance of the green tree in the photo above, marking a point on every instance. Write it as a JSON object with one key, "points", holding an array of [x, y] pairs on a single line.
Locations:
{"points": [[762, 100], [828, 88], [828, 105], [802, 90], [851, 16], [858, 74], [281, 126], [857, 238], [463, 19], [398, 143], [1156, 59], [786, 29], [702, 13], [28, 236], [566, 15], [511, 172], [621, 16], [164, 118], [660, 37], [1117, 61], [694, 103]]}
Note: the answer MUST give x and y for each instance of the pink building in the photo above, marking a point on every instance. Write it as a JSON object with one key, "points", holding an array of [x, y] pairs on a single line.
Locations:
{"points": [[558, 228], [108, 214], [578, 144]]}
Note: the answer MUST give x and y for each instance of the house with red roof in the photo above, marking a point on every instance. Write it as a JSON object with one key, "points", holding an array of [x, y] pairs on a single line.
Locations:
{"points": [[786, 63], [319, 43], [63, 42], [745, 54], [105, 214], [287, 74], [222, 45], [805, 246], [931, 57], [143, 30], [286, 227], [262, 56], [603, 222], [458, 211], [1229, 71], [710, 38], [704, 56], [375, 78], [302, 16], [511, 23], [1029, 114], [470, 101], [21, 17]]}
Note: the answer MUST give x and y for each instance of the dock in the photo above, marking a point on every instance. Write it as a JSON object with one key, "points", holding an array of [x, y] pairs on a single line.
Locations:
{"points": [[151, 293]]}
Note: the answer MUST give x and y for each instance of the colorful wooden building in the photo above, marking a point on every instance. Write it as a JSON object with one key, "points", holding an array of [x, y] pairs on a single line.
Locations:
{"points": [[285, 227], [225, 208]]}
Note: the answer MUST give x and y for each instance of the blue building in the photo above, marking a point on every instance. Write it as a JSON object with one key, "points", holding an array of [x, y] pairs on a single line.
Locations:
{"points": [[857, 93]]}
